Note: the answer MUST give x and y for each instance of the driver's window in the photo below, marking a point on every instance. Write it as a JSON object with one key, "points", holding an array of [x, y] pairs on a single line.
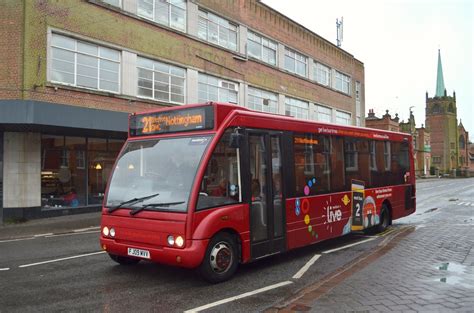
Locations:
{"points": [[220, 184]]}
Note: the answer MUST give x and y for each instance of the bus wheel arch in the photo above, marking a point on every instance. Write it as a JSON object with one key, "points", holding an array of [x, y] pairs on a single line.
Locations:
{"points": [[221, 258], [388, 205]]}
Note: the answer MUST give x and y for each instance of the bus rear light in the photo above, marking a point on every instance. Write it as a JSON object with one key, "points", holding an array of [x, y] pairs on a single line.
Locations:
{"points": [[105, 231], [170, 240], [179, 241]]}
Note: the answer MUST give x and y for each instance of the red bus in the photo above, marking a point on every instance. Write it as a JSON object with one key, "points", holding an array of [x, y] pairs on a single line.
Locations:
{"points": [[213, 185]]}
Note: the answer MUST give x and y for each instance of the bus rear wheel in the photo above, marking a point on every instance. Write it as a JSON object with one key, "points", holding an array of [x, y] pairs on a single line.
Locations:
{"points": [[123, 260], [221, 259], [384, 219]]}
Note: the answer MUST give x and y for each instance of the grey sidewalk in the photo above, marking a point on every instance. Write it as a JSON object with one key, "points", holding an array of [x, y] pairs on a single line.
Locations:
{"points": [[55, 225]]}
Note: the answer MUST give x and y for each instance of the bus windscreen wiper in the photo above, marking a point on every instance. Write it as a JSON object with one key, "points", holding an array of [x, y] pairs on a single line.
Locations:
{"points": [[154, 205], [134, 200]]}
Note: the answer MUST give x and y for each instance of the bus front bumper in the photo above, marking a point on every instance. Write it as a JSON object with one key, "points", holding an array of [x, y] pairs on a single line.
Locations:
{"points": [[189, 257]]}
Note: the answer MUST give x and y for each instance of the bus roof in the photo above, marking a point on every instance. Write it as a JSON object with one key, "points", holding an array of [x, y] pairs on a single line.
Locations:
{"points": [[214, 115]]}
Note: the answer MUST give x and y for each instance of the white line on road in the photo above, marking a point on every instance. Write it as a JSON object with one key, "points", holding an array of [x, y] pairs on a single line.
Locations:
{"points": [[460, 203], [5, 269], [247, 294], [43, 235], [306, 266], [347, 246], [73, 234], [18, 239], [86, 229], [62, 259]]}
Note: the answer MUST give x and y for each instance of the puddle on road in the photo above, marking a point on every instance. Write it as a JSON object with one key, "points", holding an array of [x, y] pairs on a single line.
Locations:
{"points": [[456, 274]]}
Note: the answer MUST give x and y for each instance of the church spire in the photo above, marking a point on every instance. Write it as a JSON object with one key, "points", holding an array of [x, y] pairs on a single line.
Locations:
{"points": [[440, 80]]}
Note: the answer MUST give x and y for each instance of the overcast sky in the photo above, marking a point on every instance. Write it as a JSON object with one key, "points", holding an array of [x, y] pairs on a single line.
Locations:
{"points": [[398, 42]]}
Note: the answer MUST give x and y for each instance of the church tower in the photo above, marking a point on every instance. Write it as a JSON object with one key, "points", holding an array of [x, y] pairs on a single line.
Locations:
{"points": [[441, 122]]}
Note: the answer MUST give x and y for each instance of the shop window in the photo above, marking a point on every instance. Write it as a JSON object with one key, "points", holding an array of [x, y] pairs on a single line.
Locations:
{"points": [[220, 185], [74, 170]]}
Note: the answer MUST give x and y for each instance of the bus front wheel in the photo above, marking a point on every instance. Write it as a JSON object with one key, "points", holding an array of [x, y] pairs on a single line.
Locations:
{"points": [[221, 258], [123, 260]]}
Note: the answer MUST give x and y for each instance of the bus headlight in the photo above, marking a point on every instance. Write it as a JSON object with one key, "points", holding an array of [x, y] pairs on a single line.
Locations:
{"points": [[179, 241], [170, 240], [112, 232], [105, 231]]}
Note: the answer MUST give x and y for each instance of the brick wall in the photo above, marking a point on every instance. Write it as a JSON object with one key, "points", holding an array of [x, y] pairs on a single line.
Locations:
{"points": [[11, 56]]}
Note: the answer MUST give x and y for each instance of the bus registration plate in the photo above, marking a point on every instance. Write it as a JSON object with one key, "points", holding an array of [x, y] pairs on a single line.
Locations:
{"points": [[139, 253]]}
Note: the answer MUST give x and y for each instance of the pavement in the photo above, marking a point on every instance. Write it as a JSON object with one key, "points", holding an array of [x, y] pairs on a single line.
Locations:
{"points": [[53, 225], [430, 270]]}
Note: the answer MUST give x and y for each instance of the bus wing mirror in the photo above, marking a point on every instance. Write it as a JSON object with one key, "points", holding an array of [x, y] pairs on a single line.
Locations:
{"points": [[235, 140]]}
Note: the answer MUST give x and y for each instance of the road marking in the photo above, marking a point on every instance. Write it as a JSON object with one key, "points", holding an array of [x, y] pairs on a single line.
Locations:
{"points": [[348, 246], [86, 229], [306, 266], [5, 269], [74, 234], [460, 203], [43, 235], [62, 259], [244, 295], [18, 239]]}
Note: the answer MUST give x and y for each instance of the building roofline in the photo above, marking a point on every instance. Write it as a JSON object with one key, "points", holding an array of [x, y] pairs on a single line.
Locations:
{"points": [[307, 29]]}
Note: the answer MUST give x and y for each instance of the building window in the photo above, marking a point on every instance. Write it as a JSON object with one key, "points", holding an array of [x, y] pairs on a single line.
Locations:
{"points": [[462, 142], [343, 118], [160, 81], [83, 64], [295, 62], [211, 88], [261, 100], [261, 48], [373, 155], [322, 74], [386, 155], [215, 29], [343, 83], [170, 13], [81, 180], [116, 3], [296, 108], [324, 114], [350, 155]]}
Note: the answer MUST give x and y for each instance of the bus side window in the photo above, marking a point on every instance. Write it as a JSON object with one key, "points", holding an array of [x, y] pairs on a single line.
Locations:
{"points": [[219, 185]]}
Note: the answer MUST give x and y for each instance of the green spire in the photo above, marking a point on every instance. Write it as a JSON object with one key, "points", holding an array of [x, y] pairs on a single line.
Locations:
{"points": [[440, 80]]}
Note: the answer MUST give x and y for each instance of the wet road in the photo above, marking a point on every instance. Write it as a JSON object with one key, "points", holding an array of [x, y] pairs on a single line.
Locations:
{"points": [[68, 272]]}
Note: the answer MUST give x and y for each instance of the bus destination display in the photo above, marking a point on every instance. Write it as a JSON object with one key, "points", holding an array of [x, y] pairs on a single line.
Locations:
{"points": [[172, 121]]}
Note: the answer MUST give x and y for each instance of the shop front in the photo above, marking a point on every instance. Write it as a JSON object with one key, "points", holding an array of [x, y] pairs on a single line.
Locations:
{"points": [[55, 159]]}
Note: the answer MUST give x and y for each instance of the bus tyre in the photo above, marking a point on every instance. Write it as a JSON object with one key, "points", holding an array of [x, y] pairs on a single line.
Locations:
{"points": [[123, 260], [384, 219], [221, 259]]}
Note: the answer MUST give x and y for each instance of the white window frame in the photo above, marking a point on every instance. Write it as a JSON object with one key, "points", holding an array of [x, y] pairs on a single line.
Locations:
{"points": [[261, 96], [323, 111], [342, 83], [343, 118], [119, 5], [295, 58], [320, 71], [170, 75], [171, 5], [265, 44], [222, 85], [221, 24], [295, 108], [76, 52]]}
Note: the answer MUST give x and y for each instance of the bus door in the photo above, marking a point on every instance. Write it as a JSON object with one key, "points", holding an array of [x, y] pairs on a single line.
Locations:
{"points": [[264, 176]]}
